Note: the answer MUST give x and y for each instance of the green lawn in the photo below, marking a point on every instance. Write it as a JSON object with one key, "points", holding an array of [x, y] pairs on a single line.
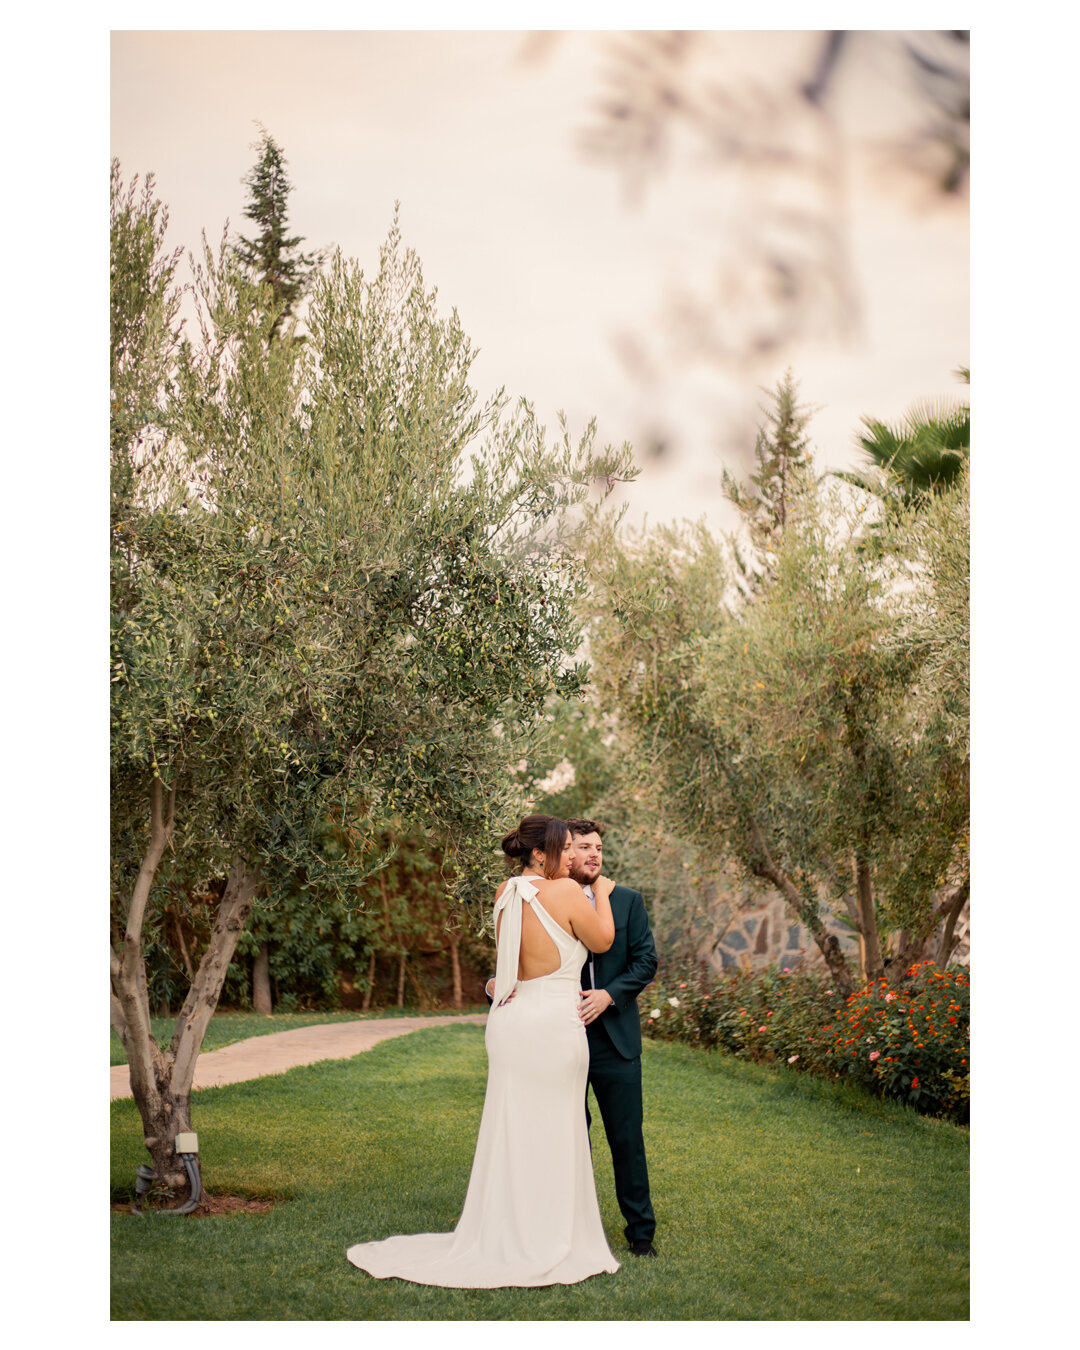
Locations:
{"points": [[778, 1196], [227, 1027]]}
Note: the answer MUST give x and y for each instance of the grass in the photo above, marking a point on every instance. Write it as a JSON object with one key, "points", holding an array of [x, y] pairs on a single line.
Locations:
{"points": [[778, 1196], [227, 1027]]}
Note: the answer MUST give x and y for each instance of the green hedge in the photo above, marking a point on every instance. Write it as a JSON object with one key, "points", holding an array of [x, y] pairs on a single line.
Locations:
{"points": [[910, 1043]]}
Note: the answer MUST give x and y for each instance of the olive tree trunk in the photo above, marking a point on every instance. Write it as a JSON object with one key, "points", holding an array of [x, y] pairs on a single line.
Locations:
{"points": [[873, 961], [261, 998], [951, 907], [401, 980], [161, 1079], [804, 908], [913, 945], [455, 968], [366, 1004]]}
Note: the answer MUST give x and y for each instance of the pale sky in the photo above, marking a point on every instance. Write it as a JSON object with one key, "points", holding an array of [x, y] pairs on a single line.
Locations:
{"points": [[552, 268]]}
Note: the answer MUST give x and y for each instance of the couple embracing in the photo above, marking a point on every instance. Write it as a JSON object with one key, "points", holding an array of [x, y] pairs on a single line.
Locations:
{"points": [[573, 953]]}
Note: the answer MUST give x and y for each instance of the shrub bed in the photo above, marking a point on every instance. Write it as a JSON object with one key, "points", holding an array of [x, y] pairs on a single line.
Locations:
{"points": [[910, 1043]]}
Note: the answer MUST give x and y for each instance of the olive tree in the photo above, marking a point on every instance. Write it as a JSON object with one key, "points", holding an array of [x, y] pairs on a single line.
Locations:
{"points": [[805, 730], [342, 595]]}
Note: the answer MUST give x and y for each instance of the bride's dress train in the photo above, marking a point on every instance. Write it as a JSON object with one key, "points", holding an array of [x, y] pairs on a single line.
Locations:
{"points": [[530, 1216]]}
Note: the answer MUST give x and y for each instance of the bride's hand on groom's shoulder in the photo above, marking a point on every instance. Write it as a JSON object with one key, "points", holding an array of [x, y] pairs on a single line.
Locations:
{"points": [[603, 885]]}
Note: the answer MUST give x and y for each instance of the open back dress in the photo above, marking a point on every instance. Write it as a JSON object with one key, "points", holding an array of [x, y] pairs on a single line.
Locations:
{"points": [[530, 1216]]}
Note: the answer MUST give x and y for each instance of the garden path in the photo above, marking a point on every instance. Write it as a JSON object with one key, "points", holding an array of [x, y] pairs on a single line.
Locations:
{"points": [[281, 1050]]}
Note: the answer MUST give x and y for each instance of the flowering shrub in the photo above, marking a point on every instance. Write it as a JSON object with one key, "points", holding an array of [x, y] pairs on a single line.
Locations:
{"points": [[769, 1016], [910, 1042]]}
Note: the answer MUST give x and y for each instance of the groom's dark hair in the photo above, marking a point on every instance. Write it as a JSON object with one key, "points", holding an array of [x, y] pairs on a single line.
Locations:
{"points": [[581, 826]]}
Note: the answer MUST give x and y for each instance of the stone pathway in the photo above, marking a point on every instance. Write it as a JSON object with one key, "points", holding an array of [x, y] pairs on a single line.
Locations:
{"points": [[281, 1050]]}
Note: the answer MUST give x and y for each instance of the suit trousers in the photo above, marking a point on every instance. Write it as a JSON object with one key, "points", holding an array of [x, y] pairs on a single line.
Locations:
{"points": [[616, 1085]]}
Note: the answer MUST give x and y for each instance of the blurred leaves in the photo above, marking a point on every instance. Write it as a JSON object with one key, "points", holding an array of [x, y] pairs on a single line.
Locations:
{"points": [[765, 130]]}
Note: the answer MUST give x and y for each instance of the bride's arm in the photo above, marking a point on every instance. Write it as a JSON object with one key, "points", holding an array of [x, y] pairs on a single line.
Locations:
{"points": [[595, 927]]}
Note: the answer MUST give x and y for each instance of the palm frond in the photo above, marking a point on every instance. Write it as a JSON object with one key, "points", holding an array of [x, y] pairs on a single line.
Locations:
{"points": [[926, 451], [951, 420]]}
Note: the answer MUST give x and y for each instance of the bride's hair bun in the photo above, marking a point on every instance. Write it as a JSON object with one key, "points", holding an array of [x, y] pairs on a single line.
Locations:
{"points": [[546, 833]]}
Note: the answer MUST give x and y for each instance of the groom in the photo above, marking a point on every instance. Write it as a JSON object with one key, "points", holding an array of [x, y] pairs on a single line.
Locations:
{"points": [[611, 982]]}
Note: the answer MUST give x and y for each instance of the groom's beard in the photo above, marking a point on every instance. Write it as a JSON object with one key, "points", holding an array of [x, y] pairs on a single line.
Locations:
{"points": [[584, 876]]}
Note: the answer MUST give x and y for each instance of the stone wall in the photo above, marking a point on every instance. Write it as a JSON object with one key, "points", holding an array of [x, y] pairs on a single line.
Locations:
{"points": [[767, 935], [961, 952]]}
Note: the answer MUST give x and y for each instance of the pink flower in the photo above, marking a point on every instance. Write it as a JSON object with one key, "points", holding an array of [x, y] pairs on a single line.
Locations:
{"points": [[874, 1054], [786, 970], [889, 996], [792, 1058], [683, 985], [763, 1028]]}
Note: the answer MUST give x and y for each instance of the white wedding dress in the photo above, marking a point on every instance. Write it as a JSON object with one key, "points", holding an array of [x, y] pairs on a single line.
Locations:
{"points": [[530, 1216]]}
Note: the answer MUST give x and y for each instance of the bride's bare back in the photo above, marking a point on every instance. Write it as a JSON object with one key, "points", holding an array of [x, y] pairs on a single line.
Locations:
{"points": [[569, 906]]}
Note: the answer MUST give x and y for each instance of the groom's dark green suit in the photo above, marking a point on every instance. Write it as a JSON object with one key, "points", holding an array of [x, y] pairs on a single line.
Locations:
{"points": [[615, 1055]]}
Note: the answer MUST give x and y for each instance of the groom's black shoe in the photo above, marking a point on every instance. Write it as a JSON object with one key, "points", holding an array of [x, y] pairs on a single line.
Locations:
{"points": [[643, 1247]]}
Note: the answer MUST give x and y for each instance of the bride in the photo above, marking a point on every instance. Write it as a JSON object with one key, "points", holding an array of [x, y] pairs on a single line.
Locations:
{"points": [[530, 1216]]}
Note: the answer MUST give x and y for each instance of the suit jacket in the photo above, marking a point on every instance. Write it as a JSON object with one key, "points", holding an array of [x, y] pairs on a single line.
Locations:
{"points": [[624, 970]]}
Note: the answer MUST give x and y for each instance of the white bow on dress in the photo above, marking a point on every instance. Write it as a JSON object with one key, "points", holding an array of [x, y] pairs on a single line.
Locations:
{"points": [[518, 890]]}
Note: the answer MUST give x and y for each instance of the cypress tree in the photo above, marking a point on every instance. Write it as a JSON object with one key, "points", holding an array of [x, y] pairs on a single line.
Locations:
{"points": [[785, 471], [273, 255]]}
